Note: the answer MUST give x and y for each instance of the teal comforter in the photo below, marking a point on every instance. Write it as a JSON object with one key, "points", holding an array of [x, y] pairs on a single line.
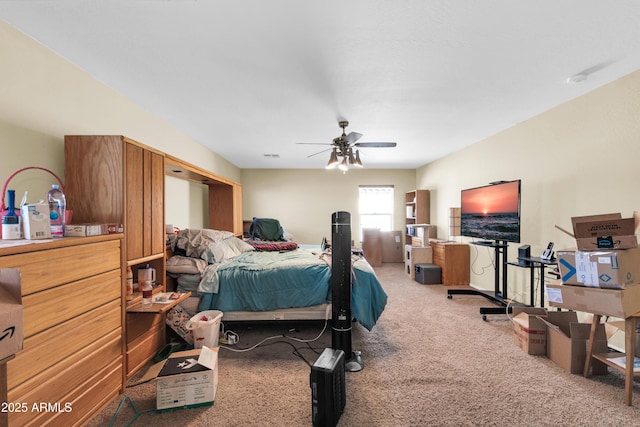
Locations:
{"points": [[263, 281]]}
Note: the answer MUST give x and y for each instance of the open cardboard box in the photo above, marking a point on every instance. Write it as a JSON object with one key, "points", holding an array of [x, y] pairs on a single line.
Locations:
{"points": [[613, 269], [186, 379], [607, 231], [567, 342], [11, 312], [529, 331]]}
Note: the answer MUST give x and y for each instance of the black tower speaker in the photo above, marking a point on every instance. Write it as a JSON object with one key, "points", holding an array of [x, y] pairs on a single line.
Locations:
{"points": [[341, 289]]}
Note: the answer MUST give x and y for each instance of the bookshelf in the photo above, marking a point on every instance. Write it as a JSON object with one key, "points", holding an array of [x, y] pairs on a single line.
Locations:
{"points": [[417, 212]]}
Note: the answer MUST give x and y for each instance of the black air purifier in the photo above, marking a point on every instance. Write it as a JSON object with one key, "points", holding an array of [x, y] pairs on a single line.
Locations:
{"points": [[328, 391], [524, 251]]}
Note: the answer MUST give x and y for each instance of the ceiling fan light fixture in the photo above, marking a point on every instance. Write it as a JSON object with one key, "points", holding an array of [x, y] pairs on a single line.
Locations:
{"points": [[343, 165], [333, 160], [356, 162], [352, 160]]}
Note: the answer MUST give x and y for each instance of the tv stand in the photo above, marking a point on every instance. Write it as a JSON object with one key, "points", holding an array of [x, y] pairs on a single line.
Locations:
{"points": [[499, 295]]}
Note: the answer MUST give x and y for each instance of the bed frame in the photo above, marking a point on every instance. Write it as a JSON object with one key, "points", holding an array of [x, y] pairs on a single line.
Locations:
{"points": [[316, 312]]}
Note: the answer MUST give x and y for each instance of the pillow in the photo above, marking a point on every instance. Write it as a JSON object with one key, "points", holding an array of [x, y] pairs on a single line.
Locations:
{"points": [[178, 264], [189, 282], [195, 241], [225, 249]]}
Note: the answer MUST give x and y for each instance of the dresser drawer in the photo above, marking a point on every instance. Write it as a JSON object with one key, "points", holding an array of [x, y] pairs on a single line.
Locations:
{"points": [[48, 308], [144, 348], [49, 268], [66, 340]]}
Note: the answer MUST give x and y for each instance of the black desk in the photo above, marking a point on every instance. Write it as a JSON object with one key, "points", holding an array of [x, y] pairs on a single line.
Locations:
{"points": [[531, 263]]}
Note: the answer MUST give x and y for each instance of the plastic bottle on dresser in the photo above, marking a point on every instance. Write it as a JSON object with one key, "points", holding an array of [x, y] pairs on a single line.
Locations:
{"points": [[129, 280], [10, 221], [147, 294], [57, 210]]}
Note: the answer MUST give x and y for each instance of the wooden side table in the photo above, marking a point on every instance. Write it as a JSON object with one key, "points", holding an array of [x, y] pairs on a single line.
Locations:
{"points": [[607, 358]]}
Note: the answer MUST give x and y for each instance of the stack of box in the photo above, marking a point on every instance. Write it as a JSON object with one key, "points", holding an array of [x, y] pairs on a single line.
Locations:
{"points": [[607, 254], [599, 276]]}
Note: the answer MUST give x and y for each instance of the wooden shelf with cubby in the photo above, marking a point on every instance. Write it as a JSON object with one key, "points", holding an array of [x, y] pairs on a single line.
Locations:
{"points": [[417, 210]]}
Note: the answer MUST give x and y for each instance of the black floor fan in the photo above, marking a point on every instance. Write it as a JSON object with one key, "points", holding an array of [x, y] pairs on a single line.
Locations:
{"points": [[341, 276]]}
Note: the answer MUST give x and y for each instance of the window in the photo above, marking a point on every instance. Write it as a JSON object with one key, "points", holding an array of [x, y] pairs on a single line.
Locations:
{"points": [[376, 207]]}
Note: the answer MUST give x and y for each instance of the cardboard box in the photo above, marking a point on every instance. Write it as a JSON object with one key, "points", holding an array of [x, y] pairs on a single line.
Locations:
{"points": [[186, 379], [36, 223], [83, 230], [11, 312], [567, 341], [529, 331], [613, 269], [608, 231], [607, 302]]}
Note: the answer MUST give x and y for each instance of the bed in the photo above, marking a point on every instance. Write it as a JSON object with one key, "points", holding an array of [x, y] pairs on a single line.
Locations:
{"points": [[247, 282]]}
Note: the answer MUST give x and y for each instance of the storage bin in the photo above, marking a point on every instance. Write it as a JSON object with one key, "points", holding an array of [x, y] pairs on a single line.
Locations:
{"points": [[428, 274], [205, 327]]}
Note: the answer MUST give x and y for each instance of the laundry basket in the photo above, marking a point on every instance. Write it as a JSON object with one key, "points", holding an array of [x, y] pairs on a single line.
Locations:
{"points": [[3, 205], [205, 328]]}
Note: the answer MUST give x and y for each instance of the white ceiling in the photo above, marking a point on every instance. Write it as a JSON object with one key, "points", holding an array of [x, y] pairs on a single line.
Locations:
{"points": [[253, 77]]}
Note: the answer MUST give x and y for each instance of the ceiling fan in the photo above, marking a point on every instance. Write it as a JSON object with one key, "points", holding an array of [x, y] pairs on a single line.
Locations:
{"points": [[343, 146]]}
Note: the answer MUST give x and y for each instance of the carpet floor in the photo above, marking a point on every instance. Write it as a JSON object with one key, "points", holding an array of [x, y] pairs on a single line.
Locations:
{"points": [[429, 361]]}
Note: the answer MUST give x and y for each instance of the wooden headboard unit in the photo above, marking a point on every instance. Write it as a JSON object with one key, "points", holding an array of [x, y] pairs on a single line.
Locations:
{"points": [[225, 196]]}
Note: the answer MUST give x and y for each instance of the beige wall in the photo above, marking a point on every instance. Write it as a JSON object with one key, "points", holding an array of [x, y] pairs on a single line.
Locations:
{"points": [[186, 203], [44, 97], [304, 200], [580, 158]]}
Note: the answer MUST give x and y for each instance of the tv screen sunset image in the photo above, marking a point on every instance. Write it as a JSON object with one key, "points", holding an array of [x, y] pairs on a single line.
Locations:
{"points": [[492, 212]]}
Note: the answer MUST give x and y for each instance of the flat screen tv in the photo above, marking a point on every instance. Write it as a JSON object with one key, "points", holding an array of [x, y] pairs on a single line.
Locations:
{"points": [[492, 212]]}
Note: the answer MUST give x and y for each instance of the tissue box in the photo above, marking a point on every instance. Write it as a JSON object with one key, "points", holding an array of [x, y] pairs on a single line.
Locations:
{"points": [[35, 221]]}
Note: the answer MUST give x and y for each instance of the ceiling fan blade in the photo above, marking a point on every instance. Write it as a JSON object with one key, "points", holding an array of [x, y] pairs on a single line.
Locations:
{"points": [[319, 152], [313, 143], [352, 137], [375, 144]]}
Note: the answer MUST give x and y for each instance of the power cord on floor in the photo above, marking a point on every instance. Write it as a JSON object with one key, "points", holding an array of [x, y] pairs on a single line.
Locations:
{"points": [[253, 347], [237, 337], [127, 399]]}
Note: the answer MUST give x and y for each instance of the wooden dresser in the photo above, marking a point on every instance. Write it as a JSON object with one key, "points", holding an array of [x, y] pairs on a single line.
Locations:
{"points": [[453, 258], [72, 358]]}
